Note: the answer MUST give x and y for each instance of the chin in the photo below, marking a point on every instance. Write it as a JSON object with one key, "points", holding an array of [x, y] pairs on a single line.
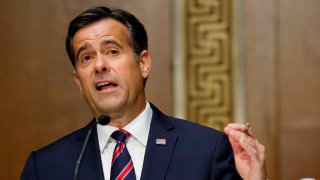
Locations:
{"points": [[110, 106]]}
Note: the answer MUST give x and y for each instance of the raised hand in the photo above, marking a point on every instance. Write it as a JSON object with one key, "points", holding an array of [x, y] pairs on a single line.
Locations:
{"points": [[249, 154]]}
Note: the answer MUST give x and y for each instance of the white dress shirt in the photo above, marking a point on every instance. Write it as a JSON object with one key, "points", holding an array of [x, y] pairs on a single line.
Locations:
{"points": [[136, 144]]}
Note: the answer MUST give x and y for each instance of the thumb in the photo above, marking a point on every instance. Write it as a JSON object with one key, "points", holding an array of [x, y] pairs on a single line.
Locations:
{"points": [[234, 143]]}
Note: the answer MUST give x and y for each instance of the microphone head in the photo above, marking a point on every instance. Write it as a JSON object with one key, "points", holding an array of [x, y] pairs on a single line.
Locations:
{"points": [[104, 119]]}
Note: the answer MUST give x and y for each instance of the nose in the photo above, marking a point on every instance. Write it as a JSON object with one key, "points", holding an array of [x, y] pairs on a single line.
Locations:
{"points": [[101, 65]]}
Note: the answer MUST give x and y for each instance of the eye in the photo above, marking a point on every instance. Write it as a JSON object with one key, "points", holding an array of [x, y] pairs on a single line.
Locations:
{"points": [[114, 52], [86, 58]]}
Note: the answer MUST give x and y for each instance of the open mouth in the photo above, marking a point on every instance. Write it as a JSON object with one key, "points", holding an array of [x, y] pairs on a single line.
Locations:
{"points": [[105, 85]]}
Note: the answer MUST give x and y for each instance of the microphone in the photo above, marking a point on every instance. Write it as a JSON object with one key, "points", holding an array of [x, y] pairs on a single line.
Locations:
{"points": [[103, 120]]}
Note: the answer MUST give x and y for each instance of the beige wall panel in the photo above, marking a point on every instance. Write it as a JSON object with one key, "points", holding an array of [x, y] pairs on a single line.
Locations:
{"points": [[260, 75], [39, 100], [299, 55], [282, 41]]}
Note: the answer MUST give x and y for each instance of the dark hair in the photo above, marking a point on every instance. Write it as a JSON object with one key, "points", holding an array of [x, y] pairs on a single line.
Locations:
{"points": [[138, 38]]}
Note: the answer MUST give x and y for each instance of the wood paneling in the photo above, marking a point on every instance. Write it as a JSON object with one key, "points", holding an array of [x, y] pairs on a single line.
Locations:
{"points": [[282, 40], [299, 87], [260, 76], [39, 100]]}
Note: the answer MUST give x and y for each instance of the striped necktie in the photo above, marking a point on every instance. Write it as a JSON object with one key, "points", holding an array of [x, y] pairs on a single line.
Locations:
{"points": [[122, 165]]}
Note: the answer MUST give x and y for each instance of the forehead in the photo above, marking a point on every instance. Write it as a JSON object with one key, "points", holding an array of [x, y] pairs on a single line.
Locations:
{"points": [[101, 30]]}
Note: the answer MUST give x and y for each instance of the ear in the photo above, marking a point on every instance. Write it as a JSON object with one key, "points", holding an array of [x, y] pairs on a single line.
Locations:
{"points": [[145, 63], [77, 80]]}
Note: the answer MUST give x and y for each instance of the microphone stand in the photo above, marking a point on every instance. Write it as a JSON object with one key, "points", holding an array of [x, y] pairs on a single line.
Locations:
{"points": [[103, 120], [84, 147]]}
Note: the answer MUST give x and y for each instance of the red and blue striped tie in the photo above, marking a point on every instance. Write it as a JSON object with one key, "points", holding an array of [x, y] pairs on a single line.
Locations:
{"points": [[122, 165]]}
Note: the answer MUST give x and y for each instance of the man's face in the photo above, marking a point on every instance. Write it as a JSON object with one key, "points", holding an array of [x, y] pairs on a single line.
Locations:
{"points": [[108, 75]]}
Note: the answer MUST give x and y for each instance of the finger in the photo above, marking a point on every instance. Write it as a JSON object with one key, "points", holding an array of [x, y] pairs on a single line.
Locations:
{"points": [[237, 126], [244, 128], [251, 150], [254, 150], [242, 142], [234, 140], [235, 146], [235, 133], [261, 151]]}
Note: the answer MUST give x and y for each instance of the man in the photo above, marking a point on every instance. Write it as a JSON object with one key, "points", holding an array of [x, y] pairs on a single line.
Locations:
{"points": [[109, 51]]}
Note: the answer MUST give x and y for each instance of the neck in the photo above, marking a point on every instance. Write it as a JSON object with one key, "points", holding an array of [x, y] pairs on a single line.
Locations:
{"points": [[120, 120]]}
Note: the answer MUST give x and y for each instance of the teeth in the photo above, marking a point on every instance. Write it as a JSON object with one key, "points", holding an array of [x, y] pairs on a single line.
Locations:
{"points": [[103, 83]]}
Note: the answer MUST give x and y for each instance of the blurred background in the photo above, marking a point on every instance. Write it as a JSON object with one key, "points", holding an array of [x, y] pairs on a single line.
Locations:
{"points": [[214, 62]]}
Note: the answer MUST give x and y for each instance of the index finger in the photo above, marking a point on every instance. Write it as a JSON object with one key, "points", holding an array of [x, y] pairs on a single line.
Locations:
{"points": [[244, 128]]}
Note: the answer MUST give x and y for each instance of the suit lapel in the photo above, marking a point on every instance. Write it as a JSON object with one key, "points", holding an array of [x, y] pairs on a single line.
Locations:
{"points": [[91, 166], [158, 155]]}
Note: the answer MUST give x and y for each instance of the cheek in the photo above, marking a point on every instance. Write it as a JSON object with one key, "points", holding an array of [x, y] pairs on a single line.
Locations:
{"points": [[135, 76], [128, 70], [131, 77], [85, 82]]}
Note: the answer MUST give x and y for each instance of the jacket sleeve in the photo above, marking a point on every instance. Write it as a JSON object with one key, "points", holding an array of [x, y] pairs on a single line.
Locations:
{"points": [[223, 162], [29, 171]]}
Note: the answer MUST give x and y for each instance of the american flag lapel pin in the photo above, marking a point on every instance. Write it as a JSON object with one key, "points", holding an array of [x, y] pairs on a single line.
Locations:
{"points": [[160, 141]]}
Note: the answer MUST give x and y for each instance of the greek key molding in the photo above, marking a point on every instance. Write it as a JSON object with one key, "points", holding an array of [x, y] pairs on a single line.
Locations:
{"points": [[209, 64]]}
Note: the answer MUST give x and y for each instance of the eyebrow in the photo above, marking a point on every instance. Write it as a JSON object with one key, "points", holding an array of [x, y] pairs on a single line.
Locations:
{"points": [[110, 41], [102, 43], [82, 48]]}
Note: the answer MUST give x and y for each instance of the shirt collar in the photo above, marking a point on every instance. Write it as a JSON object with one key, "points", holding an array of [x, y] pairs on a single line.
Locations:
{"points": [[138, 128]]}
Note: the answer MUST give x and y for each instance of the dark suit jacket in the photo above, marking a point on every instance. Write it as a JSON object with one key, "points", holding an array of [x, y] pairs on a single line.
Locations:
{"points": [[191, 152]]}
